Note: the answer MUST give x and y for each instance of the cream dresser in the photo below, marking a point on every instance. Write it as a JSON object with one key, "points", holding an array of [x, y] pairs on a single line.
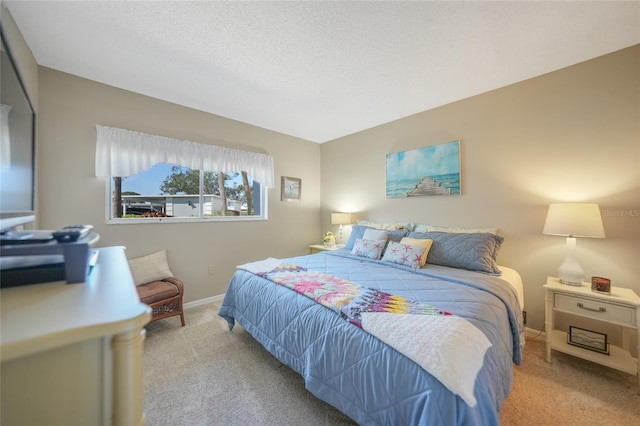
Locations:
{"points": [[72, 353]]}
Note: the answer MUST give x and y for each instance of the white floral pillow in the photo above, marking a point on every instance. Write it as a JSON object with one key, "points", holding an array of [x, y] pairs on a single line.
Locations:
{"points": [[404, 254], [368, 248]]}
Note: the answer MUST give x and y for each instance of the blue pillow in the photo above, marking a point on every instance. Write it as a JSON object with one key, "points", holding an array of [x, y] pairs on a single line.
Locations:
{"points": [[475, 252], [397, 235], [357, 232]]}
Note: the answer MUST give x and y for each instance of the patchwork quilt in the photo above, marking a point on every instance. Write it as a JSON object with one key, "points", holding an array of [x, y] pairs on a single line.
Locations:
{"points": [[345, 297]]}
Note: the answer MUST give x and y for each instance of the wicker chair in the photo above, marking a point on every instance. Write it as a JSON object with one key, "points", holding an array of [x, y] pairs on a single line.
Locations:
{"points": [[164, 297]]}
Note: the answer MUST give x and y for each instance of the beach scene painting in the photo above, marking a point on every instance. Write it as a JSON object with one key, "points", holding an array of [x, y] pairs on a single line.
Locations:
{"points": [[432, 170]]}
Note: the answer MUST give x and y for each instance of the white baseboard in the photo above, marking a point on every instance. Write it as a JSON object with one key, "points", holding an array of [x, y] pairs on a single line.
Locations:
{"points": [[205, 301]]}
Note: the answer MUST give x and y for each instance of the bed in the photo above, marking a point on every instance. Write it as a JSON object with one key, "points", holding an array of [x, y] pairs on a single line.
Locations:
{"points": [[370, 363]]}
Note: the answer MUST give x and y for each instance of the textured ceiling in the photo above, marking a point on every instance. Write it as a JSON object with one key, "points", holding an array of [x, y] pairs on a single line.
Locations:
{"points": [[319, 70]]}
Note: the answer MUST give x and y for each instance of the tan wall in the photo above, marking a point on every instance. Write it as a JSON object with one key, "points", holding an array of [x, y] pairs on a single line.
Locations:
{"points": [[70, 108], [571, 135]]}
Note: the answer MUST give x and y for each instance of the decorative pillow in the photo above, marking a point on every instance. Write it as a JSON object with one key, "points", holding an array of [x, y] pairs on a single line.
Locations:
{"points": [[149, 268], [397, 235], [375, 234], [421, 243], [475, 252], [357, 232], [389, 226], [421, 227], [430, 228], [404, 254], [368, 248]]}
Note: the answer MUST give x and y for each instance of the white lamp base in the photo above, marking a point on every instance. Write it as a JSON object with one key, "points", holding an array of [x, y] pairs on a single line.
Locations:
{"points": [[570, 272]]}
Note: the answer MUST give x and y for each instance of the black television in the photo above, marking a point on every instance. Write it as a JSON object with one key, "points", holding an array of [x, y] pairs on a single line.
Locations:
{"points": [[17, 146]]}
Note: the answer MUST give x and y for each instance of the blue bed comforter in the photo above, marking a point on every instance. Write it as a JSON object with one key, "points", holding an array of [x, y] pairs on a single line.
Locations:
{"points": [[360, 375]]}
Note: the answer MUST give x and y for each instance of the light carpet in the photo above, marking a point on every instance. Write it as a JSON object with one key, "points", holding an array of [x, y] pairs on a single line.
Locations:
{"points": [[203, 374]]}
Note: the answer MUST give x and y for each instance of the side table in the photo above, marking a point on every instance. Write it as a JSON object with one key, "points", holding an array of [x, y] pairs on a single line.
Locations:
{"points": [[620, 307]]}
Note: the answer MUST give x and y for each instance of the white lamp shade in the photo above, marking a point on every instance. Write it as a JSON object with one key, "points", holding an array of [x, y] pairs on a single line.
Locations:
{"points": [[341, 219], [574, 220]]}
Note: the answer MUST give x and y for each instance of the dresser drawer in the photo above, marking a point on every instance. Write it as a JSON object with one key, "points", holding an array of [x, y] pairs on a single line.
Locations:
{"points": [[598, 309]]}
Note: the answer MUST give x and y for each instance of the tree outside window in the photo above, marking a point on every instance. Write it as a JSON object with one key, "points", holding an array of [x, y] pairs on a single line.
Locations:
{"points": [[173, 191]]}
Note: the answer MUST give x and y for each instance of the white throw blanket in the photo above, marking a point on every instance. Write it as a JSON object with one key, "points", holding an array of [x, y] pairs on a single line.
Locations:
{"points": [[261, 266], [449, 348]]}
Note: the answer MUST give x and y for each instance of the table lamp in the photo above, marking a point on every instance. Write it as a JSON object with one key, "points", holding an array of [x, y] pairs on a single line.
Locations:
{"points": [[573, 220], [341, 219]]}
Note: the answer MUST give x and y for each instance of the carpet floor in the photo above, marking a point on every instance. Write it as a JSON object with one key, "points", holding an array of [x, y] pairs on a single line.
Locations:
{"points": [[202, 374]]}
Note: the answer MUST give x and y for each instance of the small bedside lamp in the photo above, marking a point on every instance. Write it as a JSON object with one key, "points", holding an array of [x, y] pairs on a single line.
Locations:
{"points": [[341, 219], [573, 220]]}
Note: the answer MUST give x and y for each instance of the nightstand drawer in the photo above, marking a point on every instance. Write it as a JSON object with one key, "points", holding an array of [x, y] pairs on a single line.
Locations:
{"points": [[598, 309]]}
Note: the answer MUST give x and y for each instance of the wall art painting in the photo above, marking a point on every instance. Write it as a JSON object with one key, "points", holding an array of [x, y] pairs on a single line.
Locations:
{"points": [[588, 339], [432, 170], [291, 189]]}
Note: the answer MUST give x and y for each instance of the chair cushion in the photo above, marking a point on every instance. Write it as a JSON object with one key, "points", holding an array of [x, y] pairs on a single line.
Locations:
{"points": [[156, 291], [152, 267]]}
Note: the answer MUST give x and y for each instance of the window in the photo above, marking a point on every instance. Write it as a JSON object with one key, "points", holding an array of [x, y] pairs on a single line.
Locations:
{"points": [[172, 191], [142, 186]]}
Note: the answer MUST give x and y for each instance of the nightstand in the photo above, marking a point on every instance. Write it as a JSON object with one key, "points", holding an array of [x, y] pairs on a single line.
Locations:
{"points": [[317, 248], [620, 307]]}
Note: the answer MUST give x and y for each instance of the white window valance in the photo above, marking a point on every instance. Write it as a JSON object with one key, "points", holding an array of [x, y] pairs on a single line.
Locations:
{"points": [[121, 152]]}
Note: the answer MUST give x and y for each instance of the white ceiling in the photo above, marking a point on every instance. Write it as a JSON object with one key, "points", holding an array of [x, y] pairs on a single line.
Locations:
{"points": [[319, 70]]}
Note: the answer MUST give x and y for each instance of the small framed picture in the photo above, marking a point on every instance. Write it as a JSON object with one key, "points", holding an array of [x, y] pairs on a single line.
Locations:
{"points": [[588, 339], [601, 285], [291, 189]]}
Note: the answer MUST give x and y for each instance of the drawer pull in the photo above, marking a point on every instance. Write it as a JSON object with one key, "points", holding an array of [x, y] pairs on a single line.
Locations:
{"points": [[600, 309]]}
